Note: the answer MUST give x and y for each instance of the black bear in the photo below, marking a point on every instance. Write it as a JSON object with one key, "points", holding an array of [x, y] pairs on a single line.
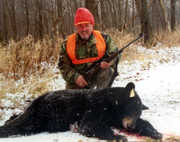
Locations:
{"points": [[95, 112]]}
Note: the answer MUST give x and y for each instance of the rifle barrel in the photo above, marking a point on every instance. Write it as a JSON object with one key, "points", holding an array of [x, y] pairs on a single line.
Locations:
{"points": [[140, 36], [114, 55]]}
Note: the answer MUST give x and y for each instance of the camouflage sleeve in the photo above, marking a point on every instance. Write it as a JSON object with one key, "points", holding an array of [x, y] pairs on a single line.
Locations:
{"points": [[111, 48], [65, 65]]}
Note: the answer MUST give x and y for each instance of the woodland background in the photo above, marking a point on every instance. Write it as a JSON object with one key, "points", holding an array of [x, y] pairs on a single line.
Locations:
{"points": [[41, 18]]}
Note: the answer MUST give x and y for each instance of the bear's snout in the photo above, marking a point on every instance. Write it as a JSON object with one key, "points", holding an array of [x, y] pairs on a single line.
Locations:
{"points": [[128, 123]]}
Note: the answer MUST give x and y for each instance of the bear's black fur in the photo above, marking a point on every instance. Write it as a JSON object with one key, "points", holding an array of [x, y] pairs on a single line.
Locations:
{"points": [[95, 112]]}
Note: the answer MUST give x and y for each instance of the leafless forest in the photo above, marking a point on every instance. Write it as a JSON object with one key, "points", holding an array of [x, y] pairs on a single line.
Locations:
{"points": [[40, 18]]}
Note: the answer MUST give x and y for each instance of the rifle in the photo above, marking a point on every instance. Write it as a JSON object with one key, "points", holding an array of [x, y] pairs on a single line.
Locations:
{"points": [[95, 67]]}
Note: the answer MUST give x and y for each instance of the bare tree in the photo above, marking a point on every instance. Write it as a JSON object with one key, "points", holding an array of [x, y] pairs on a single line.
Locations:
{"points": [[120, 13], [133, 14], [173, 18], [10, 5], [39, 18], [1, 22], [94, 7], [5, 21], [155, 17], [146, 27], [59, 21], [126, 14], [106, 14], [165, 23], [27, 16]]}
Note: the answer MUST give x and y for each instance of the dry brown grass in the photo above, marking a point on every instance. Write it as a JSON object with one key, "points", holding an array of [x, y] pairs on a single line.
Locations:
{"points": [[22, 61], [169, 39], [19, 59]]}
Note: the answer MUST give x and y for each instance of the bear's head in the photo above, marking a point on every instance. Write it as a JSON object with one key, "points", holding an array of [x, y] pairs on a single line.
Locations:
{"points": [[131, 108]]}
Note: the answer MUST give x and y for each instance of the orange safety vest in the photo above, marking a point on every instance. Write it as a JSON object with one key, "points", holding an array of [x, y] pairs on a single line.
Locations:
{"points": [[71, 48]]}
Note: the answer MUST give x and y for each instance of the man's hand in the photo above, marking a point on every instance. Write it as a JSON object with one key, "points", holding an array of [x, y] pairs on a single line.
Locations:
{"points": [[105, 65], [81, 82]]}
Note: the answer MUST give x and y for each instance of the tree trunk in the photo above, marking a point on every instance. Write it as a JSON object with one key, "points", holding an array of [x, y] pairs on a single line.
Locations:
{"points": [[106, 14], [5, 22], [155, 16], [60, 19], [120, 14], [173, 18], [1, 21], [146, 27], [133, 14], [10, 5], [165, 16], [40, 18], [94, 7], [126, 15], [27, 16]]}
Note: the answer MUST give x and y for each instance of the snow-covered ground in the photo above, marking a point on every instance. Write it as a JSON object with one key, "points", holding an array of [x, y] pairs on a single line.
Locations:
{"points": [[157, 83]]}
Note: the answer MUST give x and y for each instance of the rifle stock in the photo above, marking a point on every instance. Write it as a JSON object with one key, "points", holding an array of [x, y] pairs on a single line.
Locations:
{"points": [[95, 67]]}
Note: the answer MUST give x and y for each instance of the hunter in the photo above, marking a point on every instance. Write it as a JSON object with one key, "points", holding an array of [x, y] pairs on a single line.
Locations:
{"points": [[81, 49]]}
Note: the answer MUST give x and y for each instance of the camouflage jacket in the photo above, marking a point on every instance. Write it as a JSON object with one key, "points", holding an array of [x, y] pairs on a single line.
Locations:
{"points": [[85, 49]]}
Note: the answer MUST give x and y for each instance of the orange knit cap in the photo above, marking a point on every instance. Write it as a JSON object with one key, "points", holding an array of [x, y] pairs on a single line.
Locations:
{"points": [[83, 15]]}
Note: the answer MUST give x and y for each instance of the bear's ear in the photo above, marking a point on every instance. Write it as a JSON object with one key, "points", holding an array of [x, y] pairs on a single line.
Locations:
{"points": [[144, 107], [132, 93], [130, 86]]}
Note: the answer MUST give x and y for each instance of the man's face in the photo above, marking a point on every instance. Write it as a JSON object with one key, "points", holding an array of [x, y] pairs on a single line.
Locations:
{"points": [[84, 30]]}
